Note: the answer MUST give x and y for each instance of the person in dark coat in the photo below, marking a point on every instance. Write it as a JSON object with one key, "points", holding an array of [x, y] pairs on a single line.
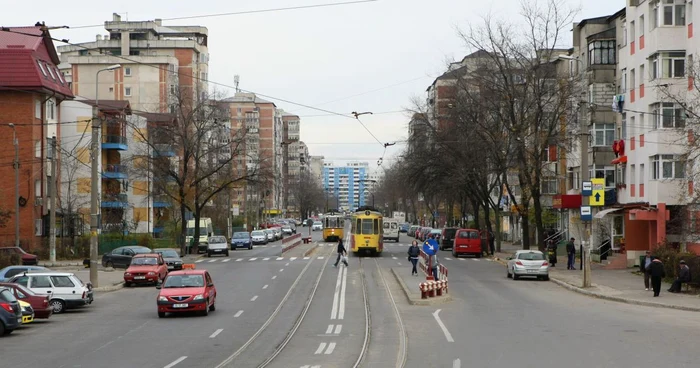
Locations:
{"points": [[683, 276], [492, 239], [341, 252], [571, 254], [656, 269], [552, 251], [413, 254], [644, 268]]}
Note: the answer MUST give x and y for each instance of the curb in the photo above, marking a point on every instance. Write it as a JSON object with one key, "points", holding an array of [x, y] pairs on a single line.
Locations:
{"points": [[618, 299], [114, 287], [70, 264], [418, 301], [311, 250]]}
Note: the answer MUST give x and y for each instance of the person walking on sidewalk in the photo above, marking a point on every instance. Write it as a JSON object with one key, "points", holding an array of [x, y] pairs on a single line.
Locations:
{"points": [[413, 254], [683, 276], [342, 253], [552, 252], [644, 268], [571, 254], [435, 265], [656, 269]]}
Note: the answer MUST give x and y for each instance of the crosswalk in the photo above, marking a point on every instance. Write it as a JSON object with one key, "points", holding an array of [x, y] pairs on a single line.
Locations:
{"points": [[253, 259]]}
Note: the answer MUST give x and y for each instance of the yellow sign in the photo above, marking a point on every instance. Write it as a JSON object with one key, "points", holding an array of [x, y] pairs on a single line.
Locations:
{"points": [[598, 194]]}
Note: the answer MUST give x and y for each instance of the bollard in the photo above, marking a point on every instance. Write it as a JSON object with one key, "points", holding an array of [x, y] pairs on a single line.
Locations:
{"points": [[438, 288], [423, 291]]}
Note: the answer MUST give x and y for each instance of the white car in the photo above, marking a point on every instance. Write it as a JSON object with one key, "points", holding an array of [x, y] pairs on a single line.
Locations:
{"points": [[531, 263], [270, 235], [287, 230], [259, 237], [217, 245], [318, 225], [65, 290]]}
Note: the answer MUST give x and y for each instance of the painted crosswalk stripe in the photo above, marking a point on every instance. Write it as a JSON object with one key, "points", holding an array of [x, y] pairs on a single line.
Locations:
{"points": [[280, 258], [199, 260], [462, 259], [216, 333], [265, 287], [394, 258], [292, 258], [329, 330], [448, 258], [252, 259], [239, 259], [253, 298], [307, 258], [330, 349], [338, 328], [319, 258], [226, 260], [320, 348], [286, 264], [266, 259], [238, 314], [475, 259]]}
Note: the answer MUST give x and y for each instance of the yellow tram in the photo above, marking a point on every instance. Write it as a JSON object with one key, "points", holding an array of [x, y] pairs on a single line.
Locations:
{"points": [[366, 231], [333, 227]]}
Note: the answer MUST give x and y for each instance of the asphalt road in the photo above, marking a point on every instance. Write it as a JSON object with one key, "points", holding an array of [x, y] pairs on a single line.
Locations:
{"points": [[307, 313]]}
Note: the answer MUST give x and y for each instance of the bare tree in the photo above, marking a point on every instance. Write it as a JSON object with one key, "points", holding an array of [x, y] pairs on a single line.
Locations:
{"points": [[307, 194]]}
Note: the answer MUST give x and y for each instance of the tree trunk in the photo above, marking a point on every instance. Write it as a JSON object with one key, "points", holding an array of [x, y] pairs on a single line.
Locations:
{"points": [[525, 219], [183, 228], [538, 220], [498, 230], [475, 208]]}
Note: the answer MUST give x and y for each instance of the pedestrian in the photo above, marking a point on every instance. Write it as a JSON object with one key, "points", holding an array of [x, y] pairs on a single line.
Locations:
{"points": [[552, 251], [342, 254], [571, 254], [492, 239], [683, 276], [434, 263], [644, 268], [656, 269], [413, 254]]}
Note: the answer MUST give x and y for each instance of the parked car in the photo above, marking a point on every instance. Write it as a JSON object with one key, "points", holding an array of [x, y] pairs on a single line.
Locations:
{"points": [[531, 263], [9, 271], [318, 225], [412, 231], [278, 232], [187, 291], [425, 232], [65, 290], [148, 268], [436, 234], [121, 257], [242, 239], [24, 257], [40, 303], [217, 244], [270, 235], [171, 257], [287, 230], [27, 312], [447, 237], [259, 237], [10, 312], [404, 227], [467, 241]]}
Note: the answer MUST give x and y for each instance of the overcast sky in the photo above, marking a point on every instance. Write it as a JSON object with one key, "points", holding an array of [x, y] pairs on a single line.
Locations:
{"points": [[372, 56]]}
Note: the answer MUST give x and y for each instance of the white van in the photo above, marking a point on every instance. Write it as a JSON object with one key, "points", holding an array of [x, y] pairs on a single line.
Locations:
{"points": [[205, 231], [391, 229]]}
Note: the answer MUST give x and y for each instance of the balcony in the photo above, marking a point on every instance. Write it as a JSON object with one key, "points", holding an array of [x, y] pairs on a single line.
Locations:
{"points": [[115, 172], [115, 201], [163, 150], [114, 142], [161, 201]]}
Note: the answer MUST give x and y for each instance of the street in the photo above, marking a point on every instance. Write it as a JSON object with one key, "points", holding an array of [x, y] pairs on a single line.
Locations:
{"points": [[282, 311]]}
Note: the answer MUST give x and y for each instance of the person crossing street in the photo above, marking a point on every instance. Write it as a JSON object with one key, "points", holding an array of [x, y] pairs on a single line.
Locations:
{"points": [[342, 254]]}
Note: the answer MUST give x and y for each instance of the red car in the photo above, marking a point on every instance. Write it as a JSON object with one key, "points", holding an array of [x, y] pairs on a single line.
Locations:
{"points": [[27, 259], [149, 268], [187, 291], [40, 303]]}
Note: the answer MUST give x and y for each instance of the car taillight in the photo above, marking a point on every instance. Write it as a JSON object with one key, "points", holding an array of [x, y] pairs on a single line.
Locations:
{"points": [[46, 302], [84, 294], [518, 263], [545, 263], [7, 307]]}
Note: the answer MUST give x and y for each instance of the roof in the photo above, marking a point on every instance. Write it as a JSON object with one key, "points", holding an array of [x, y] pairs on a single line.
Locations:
{"points": [[247, 97], [28, 61], [115, 106], [596, 20], [187, 272], [145, 255]]}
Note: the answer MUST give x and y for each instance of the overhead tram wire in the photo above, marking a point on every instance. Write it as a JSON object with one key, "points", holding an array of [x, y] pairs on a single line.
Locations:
{"points": [[244, 12]]}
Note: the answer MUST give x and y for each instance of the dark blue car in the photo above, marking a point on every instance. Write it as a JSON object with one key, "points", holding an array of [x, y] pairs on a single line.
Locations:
{"points": [[404, 227], [241, 240]]}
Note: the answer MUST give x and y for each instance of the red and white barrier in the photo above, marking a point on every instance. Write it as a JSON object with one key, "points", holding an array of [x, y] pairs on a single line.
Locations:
{"points": [[432, 288], [291, 242]]}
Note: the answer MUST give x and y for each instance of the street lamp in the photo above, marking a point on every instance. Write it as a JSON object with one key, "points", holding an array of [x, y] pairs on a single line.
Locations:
{"points": [[15, 164]]}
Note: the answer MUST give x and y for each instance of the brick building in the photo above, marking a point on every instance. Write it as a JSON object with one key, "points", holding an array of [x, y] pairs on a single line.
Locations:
{"points": [[31, 88]]}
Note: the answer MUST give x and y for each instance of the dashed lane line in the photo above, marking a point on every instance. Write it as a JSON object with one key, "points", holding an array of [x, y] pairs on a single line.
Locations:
{"points": [[199, 261], [216, 333], [238, 314], [274, 277], [174, 363], [239, 259], [265, 287], [266, 259], [226, 260], [212, 260], [252, 259], [254, 298]]}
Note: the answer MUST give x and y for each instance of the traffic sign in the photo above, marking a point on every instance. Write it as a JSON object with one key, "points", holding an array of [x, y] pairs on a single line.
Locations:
{"points": [[586, 214], [430, 247], [598, 192], [586, 189]]}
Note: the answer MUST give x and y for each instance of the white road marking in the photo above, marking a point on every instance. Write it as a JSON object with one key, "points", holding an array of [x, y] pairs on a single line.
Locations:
{"points": [[394, 258], [266, 259], [274, 277], [292, 258], [319, 258], [265, 287], [216, 333], [462, 259], [199, 260], [329, 330], [475, 259], [448, 336], [280, 258], [336, 294], [398, 263], [307, 257], [448, 258], [286, 264], [320, 348], [178, 360], [457, 363], [212, 260], [239, 259], [338, 328], [253, 298], [226, 260], [281, 269], [238, 314], [252, 259], [341, 307], [330, 349]]}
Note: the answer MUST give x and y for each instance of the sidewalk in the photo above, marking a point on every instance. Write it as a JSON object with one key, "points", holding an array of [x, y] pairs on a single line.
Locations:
{"points": [[410, 285], [108, 280], [625, 286]]}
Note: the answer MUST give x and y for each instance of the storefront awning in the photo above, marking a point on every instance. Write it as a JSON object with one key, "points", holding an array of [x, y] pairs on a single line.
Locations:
{"points": [[619, 160], [602, 213]]}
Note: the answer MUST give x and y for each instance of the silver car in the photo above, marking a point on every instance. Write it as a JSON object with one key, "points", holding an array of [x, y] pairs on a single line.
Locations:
{"points": [[259, 237], [270, 235], [217, 245], [531, 263]]}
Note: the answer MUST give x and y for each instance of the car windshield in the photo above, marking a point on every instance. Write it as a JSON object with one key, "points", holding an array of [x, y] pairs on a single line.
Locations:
{"points": [[217, 239], [6, 296], [258, 233], [144, 261], [169, 254], [240, 235], [531, 256], [182, 281]]}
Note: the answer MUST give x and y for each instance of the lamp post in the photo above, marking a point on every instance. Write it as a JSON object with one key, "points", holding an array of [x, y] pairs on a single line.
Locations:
{"points": [[94, 199], [15, 164]]}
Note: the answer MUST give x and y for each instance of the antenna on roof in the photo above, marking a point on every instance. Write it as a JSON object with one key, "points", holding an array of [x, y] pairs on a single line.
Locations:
{"points": [[236, 80]]}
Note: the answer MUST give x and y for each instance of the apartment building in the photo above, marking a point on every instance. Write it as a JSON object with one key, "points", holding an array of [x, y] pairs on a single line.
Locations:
{"points": [[346, 185], [316, 164], [161, 65], [31, 89], [291, 161]]}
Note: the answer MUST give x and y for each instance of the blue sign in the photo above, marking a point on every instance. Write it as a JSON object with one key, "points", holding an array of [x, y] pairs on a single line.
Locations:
{"points": [[430, 247], [586, 214], [587, 189]]}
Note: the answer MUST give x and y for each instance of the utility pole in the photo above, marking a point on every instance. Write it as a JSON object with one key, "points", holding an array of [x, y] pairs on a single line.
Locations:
{"points": [[15, 164], [585, 201], [52, 193], [94, 215]]}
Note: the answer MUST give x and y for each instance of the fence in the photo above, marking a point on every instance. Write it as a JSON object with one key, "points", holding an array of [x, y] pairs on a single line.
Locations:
{"points": [[291, 242], [432, 288]]}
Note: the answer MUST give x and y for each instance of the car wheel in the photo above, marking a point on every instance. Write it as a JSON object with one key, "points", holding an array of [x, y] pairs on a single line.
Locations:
{"points": [[57, 305], [109, 264], [127, 284], [2, 328], [7, 332], [508, 273], [205, 312], [515, 276], [226, 253], [478, 255], [161, 314], [546, 278], [213, 306]]}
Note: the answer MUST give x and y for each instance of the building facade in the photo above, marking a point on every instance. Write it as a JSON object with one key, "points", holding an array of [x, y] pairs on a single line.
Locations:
{"points": [[31, 91], [345, 185]]}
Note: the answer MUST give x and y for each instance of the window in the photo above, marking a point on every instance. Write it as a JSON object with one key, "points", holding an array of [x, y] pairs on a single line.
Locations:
{"points": [[50, 110], [604, 134], [127, 91], [550, 186], [53, 76], [62, 281], [632, 127], [624, 127], [641, 25], [37, 188], [623, 81], [624, 34], [172, 89], [633, 174], [607, 173], [654, 16], [366, 226], [633, 31], [641, 74], [531, 256], [37, 149], [668, 115], [642, 175], [673, 14], [601, 52], [633, 79], [667, 167], [40, 282], [668, 65], [127, 71]]}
